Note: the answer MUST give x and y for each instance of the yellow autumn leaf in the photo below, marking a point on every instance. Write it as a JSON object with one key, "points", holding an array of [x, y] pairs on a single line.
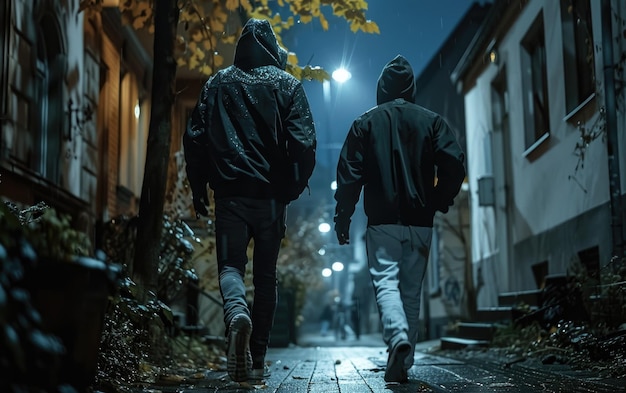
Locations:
{"points": [[218, 60], [292, 58], [192, 46], [371, 27], [141, 9], [306, 18], [193, 62], [196, 35], [324, 22], [221, 15], [180, 62], [206, 44], [200, 54], [276, 20], [232, 5], [216, 25], [206, 69], [229, 39]]}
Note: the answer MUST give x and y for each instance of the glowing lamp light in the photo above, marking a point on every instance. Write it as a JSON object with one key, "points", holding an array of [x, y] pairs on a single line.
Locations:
{"points": [[341, 75], [324, 227], [326, 272], [337, 266]]}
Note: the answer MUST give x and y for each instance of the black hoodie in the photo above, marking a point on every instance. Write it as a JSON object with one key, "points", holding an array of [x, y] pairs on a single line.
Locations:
{"points": [[251, 133], [394, 151]]}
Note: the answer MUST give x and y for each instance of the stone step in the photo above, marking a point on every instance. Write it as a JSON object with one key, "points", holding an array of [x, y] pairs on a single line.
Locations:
{"points": [[498, 314], [460, 343], [476, 331], [510, 299]]}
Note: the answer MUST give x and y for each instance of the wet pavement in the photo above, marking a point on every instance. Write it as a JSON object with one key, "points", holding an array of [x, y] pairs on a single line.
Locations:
{"points": [[325, 365]]}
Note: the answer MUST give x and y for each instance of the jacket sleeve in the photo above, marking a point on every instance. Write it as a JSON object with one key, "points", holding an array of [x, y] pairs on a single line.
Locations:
{"points": [[301, 143], [350, 174], [449, 159], [195, 141]]}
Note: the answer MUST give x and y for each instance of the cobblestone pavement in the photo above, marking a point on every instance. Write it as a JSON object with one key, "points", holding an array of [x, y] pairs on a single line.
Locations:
{"points": [[350, 368]]}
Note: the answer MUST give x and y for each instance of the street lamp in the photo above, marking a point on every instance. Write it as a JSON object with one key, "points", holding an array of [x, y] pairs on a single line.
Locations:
{"points": [[341, 75], [324, 227], [337, 266]]}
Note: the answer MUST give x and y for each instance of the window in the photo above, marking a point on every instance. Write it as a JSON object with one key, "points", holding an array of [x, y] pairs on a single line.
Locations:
{"points": [[49, 77], [128, 154], [578, 52], [534, 84]]}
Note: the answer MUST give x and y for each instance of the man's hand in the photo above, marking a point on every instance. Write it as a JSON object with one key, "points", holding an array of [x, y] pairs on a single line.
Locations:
{"points": [[342, 227], [198, 183], [201, 202]]}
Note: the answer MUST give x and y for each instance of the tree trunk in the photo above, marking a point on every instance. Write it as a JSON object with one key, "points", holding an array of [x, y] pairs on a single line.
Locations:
{"points": [[150, 220]]}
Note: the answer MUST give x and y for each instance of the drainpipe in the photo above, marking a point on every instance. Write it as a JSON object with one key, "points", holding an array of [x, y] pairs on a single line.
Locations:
{"points": [[617, 222]]}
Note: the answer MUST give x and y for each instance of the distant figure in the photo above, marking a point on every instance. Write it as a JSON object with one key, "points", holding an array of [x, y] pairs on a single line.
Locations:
{"points": [[325, 320], [355, 317], [251, 137], [409, 165]]}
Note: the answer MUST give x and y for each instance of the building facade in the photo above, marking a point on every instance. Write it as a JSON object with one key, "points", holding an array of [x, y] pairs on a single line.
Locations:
{"points": [[74, 110], [546, 175]]}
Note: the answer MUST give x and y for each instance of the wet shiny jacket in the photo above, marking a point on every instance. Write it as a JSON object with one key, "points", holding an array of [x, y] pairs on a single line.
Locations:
{"points": [[394, 152], [251, 133]]}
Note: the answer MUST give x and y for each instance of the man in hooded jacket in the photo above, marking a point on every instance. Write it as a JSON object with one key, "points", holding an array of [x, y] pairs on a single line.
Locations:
{"points": [[251, 137], [410, 165]]}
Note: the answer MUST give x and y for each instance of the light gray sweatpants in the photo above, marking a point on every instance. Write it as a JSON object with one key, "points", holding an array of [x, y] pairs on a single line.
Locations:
{"points": [[397, 257]]}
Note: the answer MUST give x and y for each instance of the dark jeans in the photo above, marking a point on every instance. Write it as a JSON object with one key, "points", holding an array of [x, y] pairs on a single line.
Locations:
{"points": [[237, 221]]}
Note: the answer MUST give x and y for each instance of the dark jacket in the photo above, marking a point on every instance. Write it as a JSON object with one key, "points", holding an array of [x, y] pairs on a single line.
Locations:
{"points": [[395, 151], [251, 133]]}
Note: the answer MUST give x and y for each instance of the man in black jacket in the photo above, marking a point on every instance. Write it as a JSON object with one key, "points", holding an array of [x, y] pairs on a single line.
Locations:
{"points": [[251, 137], [410, 165]]}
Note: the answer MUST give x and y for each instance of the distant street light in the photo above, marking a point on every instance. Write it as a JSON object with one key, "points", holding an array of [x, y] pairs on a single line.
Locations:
{"points": [[337, 266], [326, 272], [324, 227]]}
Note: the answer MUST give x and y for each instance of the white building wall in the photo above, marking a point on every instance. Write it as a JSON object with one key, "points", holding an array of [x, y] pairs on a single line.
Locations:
{"points": [[547, 189]]}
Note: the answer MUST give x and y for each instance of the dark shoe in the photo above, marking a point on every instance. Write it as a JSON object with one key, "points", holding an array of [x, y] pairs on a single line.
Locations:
{"points": [[395, 371], [238, 355]]}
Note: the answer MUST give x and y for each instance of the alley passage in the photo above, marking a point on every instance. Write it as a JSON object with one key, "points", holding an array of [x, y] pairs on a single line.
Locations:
{"points": [[361, 369]]}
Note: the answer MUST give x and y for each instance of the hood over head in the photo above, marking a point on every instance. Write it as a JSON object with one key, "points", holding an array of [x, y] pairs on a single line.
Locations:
{"points": [[257, 46], [396, 81]]}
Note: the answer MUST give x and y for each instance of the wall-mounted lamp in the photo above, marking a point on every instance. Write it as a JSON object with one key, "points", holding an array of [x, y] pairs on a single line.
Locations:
{"points": [[77, 116], [492, 52]]}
